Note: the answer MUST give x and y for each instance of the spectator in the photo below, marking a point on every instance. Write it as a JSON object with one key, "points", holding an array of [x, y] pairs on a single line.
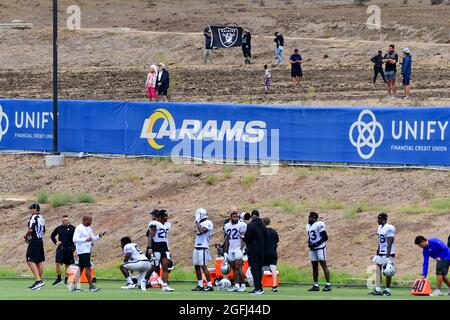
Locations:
{"points": [[270, 254], [267, 77], [247, 46], [255, 238], [296, 67], [378, 66], [279, 40], [150, 84], [406, 72], [162, 82], [390, 71], [207, 53]]}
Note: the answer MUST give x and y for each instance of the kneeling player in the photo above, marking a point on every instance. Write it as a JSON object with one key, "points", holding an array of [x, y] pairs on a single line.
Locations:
{"points": [[317, 236], [134, 260], [234, 231], [158, 247]]}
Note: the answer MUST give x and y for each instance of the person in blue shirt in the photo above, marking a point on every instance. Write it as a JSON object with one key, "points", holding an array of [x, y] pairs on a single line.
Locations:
{"points": [[406, 72], [296, 68], [438, 250]]}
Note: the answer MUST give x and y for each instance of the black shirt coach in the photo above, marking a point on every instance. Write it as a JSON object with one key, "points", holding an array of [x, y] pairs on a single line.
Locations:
{"points": [[255, 238], [64, 252]]}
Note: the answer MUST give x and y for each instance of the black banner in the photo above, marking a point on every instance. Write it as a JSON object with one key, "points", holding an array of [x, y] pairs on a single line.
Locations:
{"points": [[226, 37]]}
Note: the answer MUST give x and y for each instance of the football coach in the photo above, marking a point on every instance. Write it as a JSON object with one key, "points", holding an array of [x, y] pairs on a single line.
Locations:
{"points": [[255, 238]]}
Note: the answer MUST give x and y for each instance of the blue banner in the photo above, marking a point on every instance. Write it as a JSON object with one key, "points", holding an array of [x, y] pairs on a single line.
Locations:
{"points": [[398, 136]]}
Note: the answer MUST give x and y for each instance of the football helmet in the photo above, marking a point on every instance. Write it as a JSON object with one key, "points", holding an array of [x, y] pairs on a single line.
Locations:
{"points": [[201, 214]]}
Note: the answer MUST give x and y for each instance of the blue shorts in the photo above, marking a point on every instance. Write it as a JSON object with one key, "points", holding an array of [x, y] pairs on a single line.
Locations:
{"points": [[406, 80]]}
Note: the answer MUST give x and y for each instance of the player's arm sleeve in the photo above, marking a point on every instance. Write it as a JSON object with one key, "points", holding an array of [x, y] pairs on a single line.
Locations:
{"points": [[324, 237], [54, 234], [425, 264]]}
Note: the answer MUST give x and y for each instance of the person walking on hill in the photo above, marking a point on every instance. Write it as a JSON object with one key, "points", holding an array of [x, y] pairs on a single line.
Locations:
{"points": [[150, 84], [247, 46], [378, 66], [406, 72], [296, 68], [279, 40], [390, 71], [162, 82]]}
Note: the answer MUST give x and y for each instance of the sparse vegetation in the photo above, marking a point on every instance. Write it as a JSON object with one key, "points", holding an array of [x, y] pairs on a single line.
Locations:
{"points": [[42, 197], [329, 204], [61, 199], [212, 179], [85, 197], [248, 180]]}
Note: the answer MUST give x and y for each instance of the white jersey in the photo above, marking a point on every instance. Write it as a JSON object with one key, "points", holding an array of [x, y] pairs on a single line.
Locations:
{"points": [[162, 231], [135, 252], [384, 232], [233, 233], [202, 239], [314, 231]]}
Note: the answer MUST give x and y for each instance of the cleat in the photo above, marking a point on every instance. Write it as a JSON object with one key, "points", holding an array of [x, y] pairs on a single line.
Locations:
{"points": [[37, 285], [56, 282], [386, 293], [93, 288], [375, 293], [241, 289], [208, 288], [314, 288], [233, 289], [436, 293], [259, 292], [275, 289], [129, 286], [327, 288], [197, 288], [167, 289], [76, 290]]}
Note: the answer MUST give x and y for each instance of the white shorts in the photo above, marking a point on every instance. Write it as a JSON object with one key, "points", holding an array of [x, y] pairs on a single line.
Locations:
{"points": [[235, 255], [157, 257], [318, 254], [139, 266], [201, 257]]}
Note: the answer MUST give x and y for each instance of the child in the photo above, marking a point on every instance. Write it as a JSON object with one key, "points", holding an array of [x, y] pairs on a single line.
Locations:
{"points": [[150, 84], [267, 77]]}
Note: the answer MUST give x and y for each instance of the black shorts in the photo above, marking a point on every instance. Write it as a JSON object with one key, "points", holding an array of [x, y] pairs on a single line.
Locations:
{"points": [[84, 261], [162, 91], [35, 251], [64, 255], [270, 261], [296, 73], [442, 267]]}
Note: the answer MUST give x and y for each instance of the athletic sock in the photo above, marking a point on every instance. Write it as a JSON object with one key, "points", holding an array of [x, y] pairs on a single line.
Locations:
{"points": [[243, 285], [129, 280], [200, 283], [58, 277], [378, 289], [388, 289], [328, 284], [209, 284], [316, 284], [65, 279]]}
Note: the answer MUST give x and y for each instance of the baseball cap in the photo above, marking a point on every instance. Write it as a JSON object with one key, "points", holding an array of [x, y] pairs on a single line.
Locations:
{"points": [[155, 212], [406, 50], [35, 206]]}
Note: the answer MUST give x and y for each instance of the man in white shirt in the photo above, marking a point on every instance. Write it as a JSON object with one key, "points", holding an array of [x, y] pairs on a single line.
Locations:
{"points": [[201, 256], [385, 253], [83, 239], [234, 232]]}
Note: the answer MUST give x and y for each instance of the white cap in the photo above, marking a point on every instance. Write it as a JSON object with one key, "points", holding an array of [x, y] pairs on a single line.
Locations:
{"points": [[406, 50]]}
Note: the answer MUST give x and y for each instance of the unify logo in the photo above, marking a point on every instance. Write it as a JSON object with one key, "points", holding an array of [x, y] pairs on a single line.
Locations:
{"points": [[194, 129], [368, 139], [228, 36], [4, 123]]}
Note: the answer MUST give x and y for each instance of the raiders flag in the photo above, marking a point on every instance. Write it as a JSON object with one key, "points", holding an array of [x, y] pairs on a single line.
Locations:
{"points": [[226, 37]]}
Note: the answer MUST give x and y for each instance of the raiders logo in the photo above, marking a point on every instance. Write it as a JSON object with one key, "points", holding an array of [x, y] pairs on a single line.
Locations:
{"points": [[228, 36]]}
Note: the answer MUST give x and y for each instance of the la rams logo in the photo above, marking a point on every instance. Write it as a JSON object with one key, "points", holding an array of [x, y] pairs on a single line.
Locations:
{"points": [[167, 126], [228, 36]]}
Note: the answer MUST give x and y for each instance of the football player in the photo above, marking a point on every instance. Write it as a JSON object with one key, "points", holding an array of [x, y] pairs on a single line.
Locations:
{"points": [[201, 256], [158, 246], [234, 232], [135, 260], [385, 253], [317, 237]]}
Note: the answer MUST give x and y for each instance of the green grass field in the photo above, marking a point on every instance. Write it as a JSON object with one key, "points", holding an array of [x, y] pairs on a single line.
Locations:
{"points": [[110, 290]]}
